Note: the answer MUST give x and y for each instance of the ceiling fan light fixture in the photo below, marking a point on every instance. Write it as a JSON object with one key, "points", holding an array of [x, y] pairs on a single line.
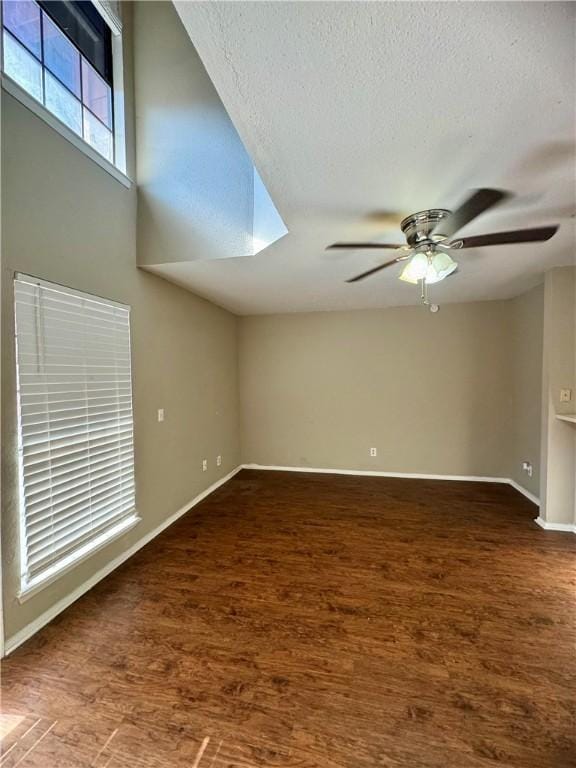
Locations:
{"points": [[427, 266], [443, 265], [430, 238], [432, 276], [416, 269]]}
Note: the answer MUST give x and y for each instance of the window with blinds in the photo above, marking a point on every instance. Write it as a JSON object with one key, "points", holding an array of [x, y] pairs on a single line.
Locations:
{"points": [[75, 429]]}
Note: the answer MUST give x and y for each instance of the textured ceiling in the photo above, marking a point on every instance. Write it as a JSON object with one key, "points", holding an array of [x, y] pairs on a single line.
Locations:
{"points": [[351, 107]]}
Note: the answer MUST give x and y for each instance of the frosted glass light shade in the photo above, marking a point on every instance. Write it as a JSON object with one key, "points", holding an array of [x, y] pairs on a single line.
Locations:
{"points": [[431, 269], [416, 269], [443, 265]]}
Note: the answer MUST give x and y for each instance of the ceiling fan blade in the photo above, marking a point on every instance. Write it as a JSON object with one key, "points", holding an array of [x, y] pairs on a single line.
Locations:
{"points": [[358, 246], [376, 269], [385, 219], [480, 200], [536, 235]]}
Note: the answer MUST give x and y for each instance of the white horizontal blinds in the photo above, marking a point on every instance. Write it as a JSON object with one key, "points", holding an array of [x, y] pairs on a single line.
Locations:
{"points": [[76, 428]]}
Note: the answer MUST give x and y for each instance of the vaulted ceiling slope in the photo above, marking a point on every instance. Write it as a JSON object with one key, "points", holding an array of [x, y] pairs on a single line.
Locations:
{"points": [[347, 108], [199, 195]]}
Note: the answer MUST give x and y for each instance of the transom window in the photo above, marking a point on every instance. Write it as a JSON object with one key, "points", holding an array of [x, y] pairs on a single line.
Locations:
{"points": [[61, 54]]}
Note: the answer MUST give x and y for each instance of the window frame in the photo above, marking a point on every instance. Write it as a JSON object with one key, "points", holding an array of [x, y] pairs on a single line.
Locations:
{"points": [[117, 168], [75, 558]]}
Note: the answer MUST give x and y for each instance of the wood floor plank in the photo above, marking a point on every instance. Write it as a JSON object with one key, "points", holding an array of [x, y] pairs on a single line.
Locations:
{"points": [[316, 621]]}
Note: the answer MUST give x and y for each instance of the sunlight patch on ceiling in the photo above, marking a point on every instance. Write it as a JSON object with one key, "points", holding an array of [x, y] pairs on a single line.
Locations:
{"points": [[267, 224]]}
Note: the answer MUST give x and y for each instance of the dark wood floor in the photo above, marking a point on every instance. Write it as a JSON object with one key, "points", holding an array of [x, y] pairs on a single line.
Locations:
{"points": [[317, 621]]}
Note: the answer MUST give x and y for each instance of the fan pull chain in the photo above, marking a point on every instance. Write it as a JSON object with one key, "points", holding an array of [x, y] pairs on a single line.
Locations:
{"points": [[424, 292]]}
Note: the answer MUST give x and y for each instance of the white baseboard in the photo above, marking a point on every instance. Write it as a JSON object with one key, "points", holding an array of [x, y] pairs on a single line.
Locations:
{"points": [[375, 473], [26, 633], [566, 527], [524, 492], [414, 475]]}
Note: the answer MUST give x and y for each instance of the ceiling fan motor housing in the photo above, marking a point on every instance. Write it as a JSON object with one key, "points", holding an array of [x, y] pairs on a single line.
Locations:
{"points": [[418, 227]]}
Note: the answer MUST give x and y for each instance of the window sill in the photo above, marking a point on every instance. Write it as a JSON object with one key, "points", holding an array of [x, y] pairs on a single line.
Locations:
{"points": [[87, 551], [38, 109]]}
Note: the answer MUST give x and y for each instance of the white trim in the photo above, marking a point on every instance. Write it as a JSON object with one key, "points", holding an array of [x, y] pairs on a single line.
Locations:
{"points": [[40, 111], [41, 581], [119, 96], [414, 475], [375, 473], [569, 417], [566, 527], [110, 13], [24, 277], [30, 629], [520, 488]]}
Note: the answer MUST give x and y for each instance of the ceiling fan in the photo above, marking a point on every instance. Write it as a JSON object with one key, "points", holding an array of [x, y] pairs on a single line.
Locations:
{"points": [[430, 239]]}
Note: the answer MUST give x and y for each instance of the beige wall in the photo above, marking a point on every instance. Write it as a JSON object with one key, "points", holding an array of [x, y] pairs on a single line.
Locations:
{"points": [[430, 392], [527, 316], [66, 220], [195, 177], [558, 494]]}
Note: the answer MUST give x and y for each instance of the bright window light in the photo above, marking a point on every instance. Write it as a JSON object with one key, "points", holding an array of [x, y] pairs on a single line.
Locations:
{"points": [[63, 59]]}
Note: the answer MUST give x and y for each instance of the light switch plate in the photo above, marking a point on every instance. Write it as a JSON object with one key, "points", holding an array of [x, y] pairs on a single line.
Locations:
{"points": [[565, 395], [160, 414]]}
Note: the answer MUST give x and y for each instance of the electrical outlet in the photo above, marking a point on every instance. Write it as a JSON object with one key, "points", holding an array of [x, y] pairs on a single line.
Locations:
{"points": [[218, 461], [527, 467], [565, 395], [204, 465], [373, 452], [160, 414]]}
